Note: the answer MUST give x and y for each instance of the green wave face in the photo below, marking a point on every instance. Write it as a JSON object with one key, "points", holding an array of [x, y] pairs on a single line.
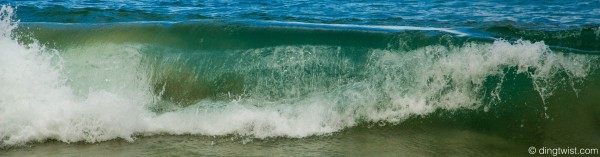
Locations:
{"points": [[585, 39], [299, 80]]}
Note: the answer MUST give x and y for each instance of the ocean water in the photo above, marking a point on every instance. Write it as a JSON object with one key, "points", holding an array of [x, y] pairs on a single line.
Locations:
{"points": [[298, 78]]}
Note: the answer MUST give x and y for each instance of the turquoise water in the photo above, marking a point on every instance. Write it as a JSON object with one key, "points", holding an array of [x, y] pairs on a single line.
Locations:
{"points": [[302, 78]]}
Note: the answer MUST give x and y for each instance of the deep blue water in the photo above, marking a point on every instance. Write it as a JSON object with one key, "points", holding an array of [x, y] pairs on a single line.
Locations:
{"points": [[550, 14]]}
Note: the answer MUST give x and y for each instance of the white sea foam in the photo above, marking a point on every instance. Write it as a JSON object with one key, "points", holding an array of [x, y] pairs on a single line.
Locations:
{"points": [[36, 102], [100, 91]]}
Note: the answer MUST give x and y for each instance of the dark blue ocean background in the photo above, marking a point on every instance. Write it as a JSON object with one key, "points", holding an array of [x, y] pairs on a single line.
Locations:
{"points": [[549, 14]]}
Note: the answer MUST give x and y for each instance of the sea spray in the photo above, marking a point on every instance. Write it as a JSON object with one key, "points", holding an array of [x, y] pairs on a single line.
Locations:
{"points": [[37, 103]]}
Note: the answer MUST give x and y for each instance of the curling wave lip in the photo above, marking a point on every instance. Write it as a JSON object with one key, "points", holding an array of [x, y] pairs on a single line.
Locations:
{"points": [[383, 28], [386, 28]]}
